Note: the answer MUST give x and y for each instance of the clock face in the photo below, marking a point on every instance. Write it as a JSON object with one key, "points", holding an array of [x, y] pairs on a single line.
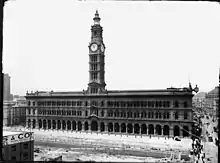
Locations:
{"points": [[102, 48], [94, 47]]}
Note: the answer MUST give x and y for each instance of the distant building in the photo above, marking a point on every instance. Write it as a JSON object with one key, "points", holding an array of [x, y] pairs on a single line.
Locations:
{"points": [[18, 146], [212, 101], [14, 111], [19, 111], [165, 112], [198, 100], [7, 113], [7, 96]]}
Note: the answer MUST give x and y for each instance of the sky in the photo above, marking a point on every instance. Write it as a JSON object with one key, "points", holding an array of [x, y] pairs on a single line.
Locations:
{"points": [[149, 45]]}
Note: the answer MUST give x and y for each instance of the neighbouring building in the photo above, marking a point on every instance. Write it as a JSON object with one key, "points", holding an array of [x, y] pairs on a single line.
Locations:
{"points": [[15, 112], [18, 146], [7, 113], [19, 111], [7, 96], [165, 112], [212, 101]]}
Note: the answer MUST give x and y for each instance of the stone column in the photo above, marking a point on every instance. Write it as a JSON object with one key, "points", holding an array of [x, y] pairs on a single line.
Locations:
{"points": [[154, 130], [76, 126], [83, 126], [56, 124], [27, 111], [99, 127], [171, 114], [161, 130], [31, 123], [31, 111], [37, 125], [26, 122], [171, 131], [106, 127], [147, 130], [46, 124], [66, 126]]}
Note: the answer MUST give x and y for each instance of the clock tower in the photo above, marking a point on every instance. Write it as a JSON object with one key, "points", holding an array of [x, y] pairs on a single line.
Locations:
{"points": [[96, 83]]}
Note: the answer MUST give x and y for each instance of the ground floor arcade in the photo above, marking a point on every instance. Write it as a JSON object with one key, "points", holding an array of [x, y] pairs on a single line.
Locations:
{"points": [[97, 125]]}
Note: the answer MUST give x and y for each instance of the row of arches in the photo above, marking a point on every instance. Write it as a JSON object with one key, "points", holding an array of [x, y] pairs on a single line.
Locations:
{"points": [[136, 128]]}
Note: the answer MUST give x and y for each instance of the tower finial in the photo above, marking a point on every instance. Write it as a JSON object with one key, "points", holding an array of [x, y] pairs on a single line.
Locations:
{"points": [[96, 18]]}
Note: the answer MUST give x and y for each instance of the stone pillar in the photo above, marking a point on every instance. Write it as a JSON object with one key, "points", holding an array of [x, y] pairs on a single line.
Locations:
{"points": [[71, 124], [83, 126], [147, 130], [171, 131], [99, 127], [31, 123], [35, 114], [162, 131], [106, 127], [66, 126], [171, 115], [27, 122], [37, 124], [27, 111], [32, 111], [46, 124], [76, 126], [56, 124], [154, 130]]}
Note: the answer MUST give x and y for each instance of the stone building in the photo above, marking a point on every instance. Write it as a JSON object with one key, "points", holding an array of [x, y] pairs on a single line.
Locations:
{"points": [[7, 96], [148, 112]]}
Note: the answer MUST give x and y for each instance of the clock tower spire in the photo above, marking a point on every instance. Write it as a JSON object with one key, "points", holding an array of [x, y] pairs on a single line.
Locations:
{"points": [[96, 83]]}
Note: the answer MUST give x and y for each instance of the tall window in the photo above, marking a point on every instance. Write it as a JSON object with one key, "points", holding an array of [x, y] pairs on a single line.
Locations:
{"points": [[102, 113], [176, 115], [185, 104], [185, 115], [176, 104]]}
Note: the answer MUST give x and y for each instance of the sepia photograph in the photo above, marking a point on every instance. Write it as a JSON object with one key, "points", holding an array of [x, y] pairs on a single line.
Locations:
{"points": [[110, 81]]}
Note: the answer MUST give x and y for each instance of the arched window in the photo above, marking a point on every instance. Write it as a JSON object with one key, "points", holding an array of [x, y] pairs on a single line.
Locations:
{"points": [[176, 104], [176, 115], [185, 104]]}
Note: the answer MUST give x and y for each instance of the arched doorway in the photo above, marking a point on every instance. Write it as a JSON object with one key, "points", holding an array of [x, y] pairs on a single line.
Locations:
{"points": [[130, 128], [151, 129], [185, 131], [58, 124], [49, 124], [54, 124], [123, 128], [143, 129], [176, 131], [158, 129], [102, 126], [110, 127], [136, 129], [74, 125], [40, 123], [44, 124], [63, 125], [116, 127], [68, 125], [34, 123], [166, 130], [79, 126], [86, 126], [29, 123], [94, 126]]}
